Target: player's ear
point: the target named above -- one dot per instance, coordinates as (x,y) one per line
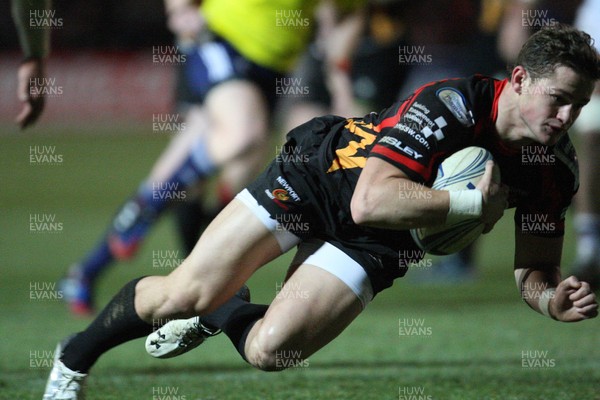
(517,78)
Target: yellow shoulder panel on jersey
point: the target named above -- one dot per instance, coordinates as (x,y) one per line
(347,157)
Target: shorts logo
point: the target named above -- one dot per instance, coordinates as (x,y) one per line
(455,102)
(281,194)
(278,196)
(285,194)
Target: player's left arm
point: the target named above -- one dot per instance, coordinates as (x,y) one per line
(339,38)
(385,197)
(35,43)
(537,274)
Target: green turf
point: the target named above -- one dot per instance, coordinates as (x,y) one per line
(471,346)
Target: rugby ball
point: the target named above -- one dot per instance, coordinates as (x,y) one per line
(461,171)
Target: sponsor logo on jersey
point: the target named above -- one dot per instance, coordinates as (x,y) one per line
(455,102)
(403,127)
(397,143)
(439,124)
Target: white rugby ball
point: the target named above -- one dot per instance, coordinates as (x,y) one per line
(461,171)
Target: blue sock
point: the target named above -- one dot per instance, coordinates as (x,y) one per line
(95,261)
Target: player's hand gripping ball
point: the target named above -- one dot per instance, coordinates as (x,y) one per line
(461,171)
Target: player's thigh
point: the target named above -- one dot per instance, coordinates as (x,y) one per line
(310,310)
(180,146)
(230,250)
(238,172)
(238,116)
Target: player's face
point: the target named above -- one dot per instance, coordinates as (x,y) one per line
(549,106)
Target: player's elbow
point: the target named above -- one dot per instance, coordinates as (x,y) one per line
(363,209)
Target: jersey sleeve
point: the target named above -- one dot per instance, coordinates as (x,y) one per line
(434,122)
(544,214)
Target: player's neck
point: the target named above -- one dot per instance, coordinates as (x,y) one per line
(509,125)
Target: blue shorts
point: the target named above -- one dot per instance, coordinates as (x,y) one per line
(215,61)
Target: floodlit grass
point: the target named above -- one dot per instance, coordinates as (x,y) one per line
(475,343)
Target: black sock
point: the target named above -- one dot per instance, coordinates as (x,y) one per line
(235,318)
(117,323)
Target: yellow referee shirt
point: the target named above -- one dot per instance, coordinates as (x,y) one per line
(271,33)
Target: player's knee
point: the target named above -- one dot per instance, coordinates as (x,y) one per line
(278,359)
(180,305)
(265,360)
(270,351)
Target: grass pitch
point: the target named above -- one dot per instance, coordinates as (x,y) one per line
(468,341)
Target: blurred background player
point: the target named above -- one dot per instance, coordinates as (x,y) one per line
(336,31)
(587,217)
(232,73)
(35,44)
(373,69)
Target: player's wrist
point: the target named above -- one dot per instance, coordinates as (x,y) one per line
(464,205)
(32,59)
(545,303)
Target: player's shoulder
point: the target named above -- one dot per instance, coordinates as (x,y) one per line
(473,85)
(475,90)
(459,96)
(466,99)
(565,148)
(566,157)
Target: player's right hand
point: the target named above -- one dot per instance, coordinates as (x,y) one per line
(573,301)
(495,197)
(30,91)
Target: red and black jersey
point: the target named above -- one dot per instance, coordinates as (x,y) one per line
(442,117)
(313,179)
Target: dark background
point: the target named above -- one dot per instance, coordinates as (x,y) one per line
(98,24)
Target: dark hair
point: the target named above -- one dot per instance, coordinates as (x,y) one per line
(556,45)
